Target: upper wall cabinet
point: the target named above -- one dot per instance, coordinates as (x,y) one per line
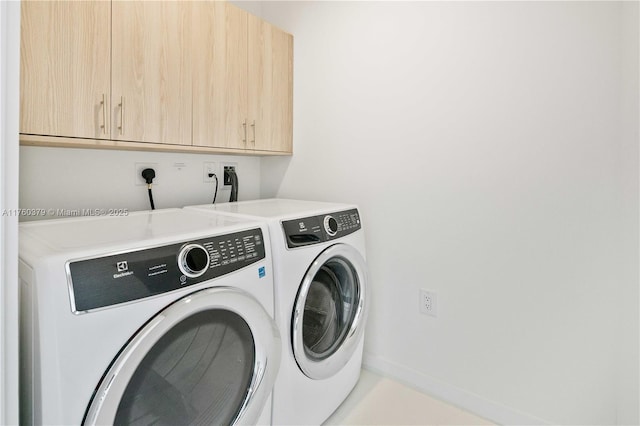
(65,61)
(270,87)
(188,76)
(151,71)
(219,46)
(243,80)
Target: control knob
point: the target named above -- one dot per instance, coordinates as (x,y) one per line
(330,225)
(193,260)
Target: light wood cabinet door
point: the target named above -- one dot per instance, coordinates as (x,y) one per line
(151,71)
(219,52)
(65,68)
(270,87)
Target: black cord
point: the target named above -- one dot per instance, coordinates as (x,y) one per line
(153,207)
(215,194)
(234,186)
(148,175)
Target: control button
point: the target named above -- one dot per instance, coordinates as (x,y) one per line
(193,260)
(330,225)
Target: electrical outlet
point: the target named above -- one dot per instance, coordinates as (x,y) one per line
(226,179)
(139,167)
(208,169)
(428,303)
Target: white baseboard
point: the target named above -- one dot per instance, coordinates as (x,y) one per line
(448,393)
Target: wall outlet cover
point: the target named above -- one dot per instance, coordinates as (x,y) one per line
(209,168)
(428,303)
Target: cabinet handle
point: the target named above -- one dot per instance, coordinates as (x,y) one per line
(104,115)
(244,128)
(121,105)
(253,126)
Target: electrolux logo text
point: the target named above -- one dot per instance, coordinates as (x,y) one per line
(123,269)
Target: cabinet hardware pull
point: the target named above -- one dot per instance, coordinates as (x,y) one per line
(104,115)
(121,105)
(244,127)
(253,126)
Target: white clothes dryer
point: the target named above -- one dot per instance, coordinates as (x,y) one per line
(321,299)
(162,317)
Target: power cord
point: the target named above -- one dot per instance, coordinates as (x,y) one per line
(215,194)
(148,175)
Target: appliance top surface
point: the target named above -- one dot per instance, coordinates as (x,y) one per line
(81,232)
(275,208)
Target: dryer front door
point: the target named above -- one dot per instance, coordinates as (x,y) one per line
(209,358)
(329,313)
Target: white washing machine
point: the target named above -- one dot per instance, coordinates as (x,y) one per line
(162,317)
(321,301)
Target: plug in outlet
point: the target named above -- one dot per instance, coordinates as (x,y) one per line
(428,303)
(226,179)
(139,167)
(209,169)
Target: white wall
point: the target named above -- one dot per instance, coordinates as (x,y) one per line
(253,7)
(628,167)
(9,106)
(62,178)
(483,143)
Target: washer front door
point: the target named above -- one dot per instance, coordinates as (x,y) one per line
(330,311)
(209,358)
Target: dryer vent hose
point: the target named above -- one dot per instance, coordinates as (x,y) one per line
(234,185)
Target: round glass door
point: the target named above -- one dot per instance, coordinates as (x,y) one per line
(329,314)
(199,372)
(209,358)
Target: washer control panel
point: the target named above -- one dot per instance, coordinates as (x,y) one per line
(113,279)
(318,229)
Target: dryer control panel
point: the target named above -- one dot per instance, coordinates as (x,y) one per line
(318,229)
(113,279)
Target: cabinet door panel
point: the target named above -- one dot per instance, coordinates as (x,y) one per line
(65,68)
(270,87)
(219,51)
(151,71)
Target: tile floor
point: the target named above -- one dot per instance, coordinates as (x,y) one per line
(378,400)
